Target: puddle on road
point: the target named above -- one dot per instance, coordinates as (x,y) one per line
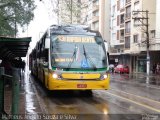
(31,102)
(74,103)
(149,80)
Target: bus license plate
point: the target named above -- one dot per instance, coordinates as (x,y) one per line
(81,85)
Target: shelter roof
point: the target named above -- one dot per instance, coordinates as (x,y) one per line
(13,47)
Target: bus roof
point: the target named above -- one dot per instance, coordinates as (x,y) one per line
(73,30)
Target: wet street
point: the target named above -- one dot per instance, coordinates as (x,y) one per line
(130,97)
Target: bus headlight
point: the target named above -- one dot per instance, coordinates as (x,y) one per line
(104,76)
(55,76)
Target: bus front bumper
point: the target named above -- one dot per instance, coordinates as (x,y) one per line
(78,85)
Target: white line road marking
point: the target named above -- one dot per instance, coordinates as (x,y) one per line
(137,103)
(142,84)
(137,96)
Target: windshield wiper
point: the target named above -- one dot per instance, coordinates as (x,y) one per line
(89,58)
(73,56)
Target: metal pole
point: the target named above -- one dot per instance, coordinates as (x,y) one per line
(148,55)
(15,21)
(15,28)
(58,11)
(71,9)
(1,90)
(15,91)
(147,39)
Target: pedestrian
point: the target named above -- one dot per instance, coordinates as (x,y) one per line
(7,66)
(0,62)
(154,68)
(7,70)
(157,68)
(23,65)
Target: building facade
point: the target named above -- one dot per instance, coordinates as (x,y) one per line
(96,15)
(128,34)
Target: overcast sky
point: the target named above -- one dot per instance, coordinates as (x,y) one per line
(40,23)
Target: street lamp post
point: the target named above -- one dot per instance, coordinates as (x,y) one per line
(148,55)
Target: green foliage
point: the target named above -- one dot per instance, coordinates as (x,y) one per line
(15,12)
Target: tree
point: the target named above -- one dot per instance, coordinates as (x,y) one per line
(71,11)
(15,13)
(67,11)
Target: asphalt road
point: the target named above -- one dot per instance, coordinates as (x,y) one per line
(131,97)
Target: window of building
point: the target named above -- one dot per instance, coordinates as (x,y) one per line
(113,10)
(128,12)
(121,18)
(143,35)
(113,36)
(128,27)
(96,25)
(117,34)
(113,23)
(122,4)
(117,20)
(153,33)
(135,38)
(121,34)
(118,5)
(136,5)
(127,1)
(137,22)
(96,2)
(127,42)
(96,13)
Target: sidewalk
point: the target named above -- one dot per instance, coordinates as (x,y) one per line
(28,102)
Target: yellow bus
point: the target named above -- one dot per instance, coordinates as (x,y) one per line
(71,57)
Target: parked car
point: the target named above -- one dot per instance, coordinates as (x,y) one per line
(121,69)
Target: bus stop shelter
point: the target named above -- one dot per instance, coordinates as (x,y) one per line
(13,47)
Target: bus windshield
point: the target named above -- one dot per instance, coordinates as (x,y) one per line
(86,52)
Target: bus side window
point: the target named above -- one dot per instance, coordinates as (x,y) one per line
(45,58)
(46,55)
